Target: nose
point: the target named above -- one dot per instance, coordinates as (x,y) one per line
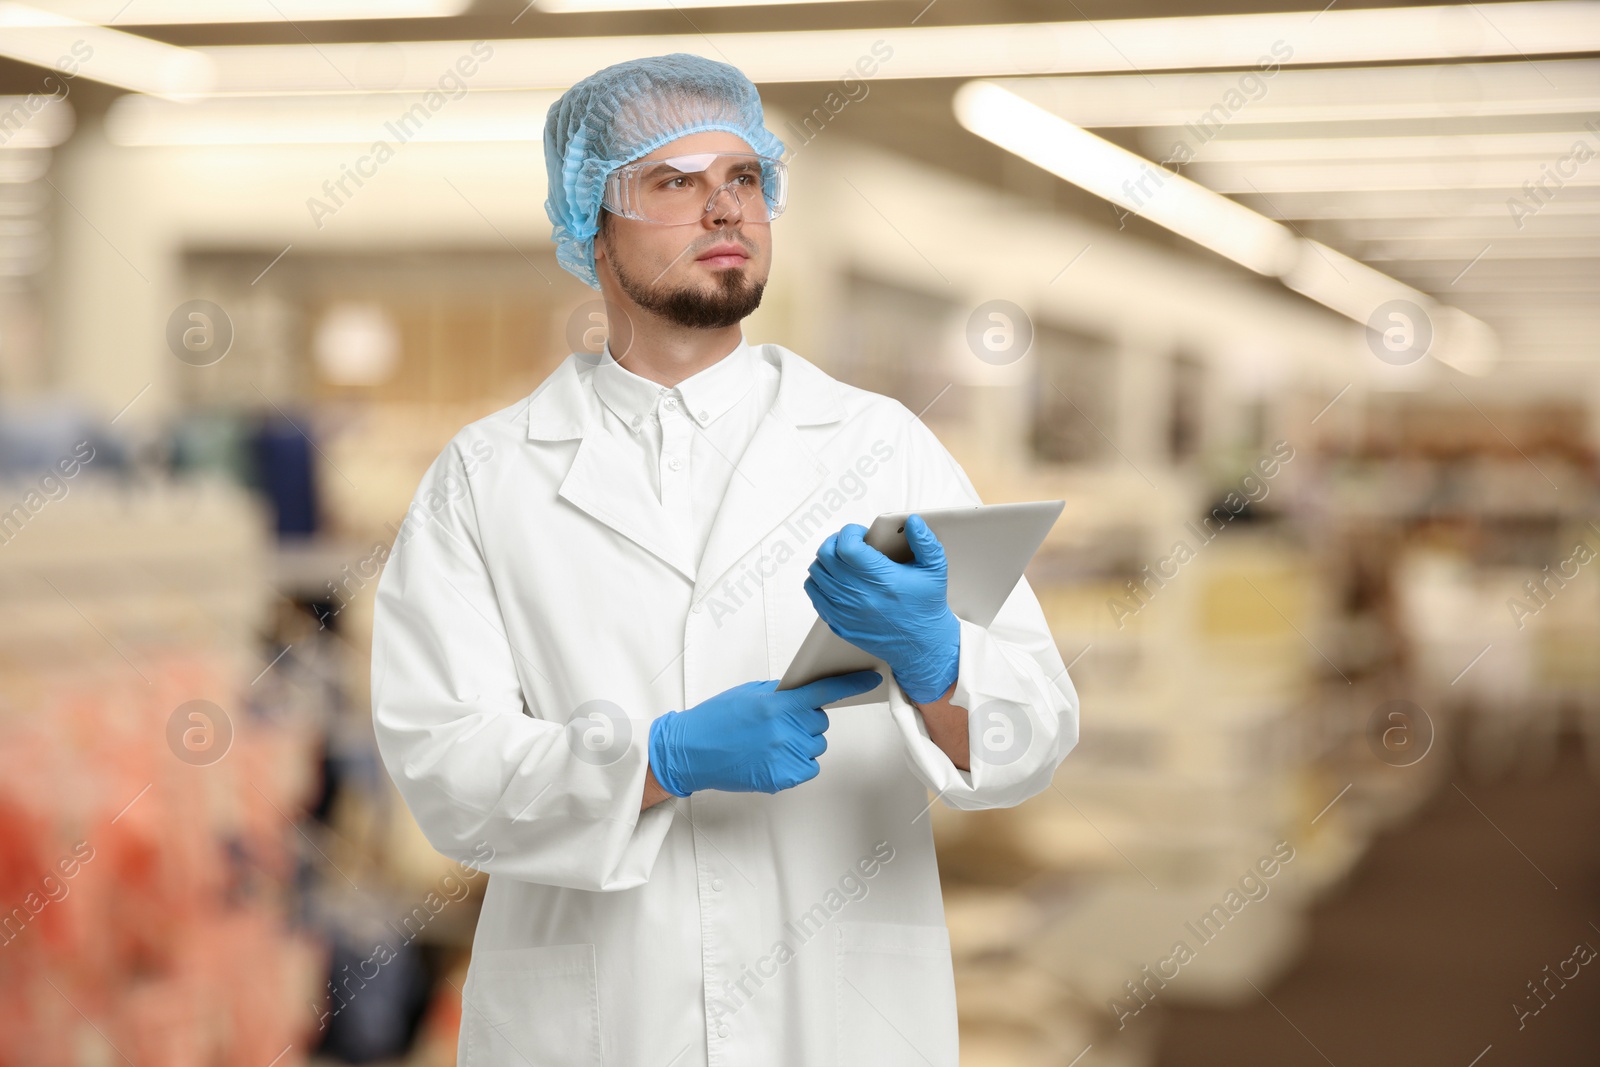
(724,204)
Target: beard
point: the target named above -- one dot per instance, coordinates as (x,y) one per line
(733,297)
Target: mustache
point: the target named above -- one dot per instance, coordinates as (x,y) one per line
(743,242)
(692,253)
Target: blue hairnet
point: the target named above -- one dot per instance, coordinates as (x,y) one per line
(625,112)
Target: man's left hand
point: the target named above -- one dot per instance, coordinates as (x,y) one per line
(895,611)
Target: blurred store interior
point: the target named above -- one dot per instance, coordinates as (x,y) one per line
(1296,310)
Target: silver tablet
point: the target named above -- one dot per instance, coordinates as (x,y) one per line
(987,547)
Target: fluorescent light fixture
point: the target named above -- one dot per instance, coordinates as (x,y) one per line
(1210,99)
(40,120)
(1368,296)
(1111,172)
(1499,226)
(563,7)
(1316,176)
(122,59)
(1537,147)
(1414,204)
(344,118)
(16,167)
(170,12)
(1496,275)
(1512,246)
(1399,34)
(1127,180)
(1472,290)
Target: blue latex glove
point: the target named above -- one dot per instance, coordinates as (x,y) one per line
(895,611)
(751,738)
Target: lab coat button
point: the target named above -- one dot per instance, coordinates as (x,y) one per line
(716,885)
(723,1031)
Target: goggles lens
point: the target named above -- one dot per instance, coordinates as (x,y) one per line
(682,189)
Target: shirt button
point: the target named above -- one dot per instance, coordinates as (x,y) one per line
(723,1031)
(697,607)
(675,463)
(669,403)
(716,885)
(637,419)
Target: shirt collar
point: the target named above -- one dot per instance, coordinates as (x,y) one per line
(706,394)
(564,405)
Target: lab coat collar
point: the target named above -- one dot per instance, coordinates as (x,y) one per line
(706,394)
(778,471)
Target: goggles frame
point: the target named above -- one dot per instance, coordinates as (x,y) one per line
(621,195)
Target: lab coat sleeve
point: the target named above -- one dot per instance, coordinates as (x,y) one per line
(491,786)
(1022,708)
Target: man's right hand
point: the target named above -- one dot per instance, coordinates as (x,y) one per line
(751,738)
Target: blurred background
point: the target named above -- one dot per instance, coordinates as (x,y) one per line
(1296,311)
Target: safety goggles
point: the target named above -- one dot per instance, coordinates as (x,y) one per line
(682,189)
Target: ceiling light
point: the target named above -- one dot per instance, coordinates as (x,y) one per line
(1227,227)
(113,57)
(1418,239)
(1316,176)
(166,12)
(1477,250)
(352,118)
(1498,226)
(36,121)
(1128,180)
(1455,148)
(1451,32)
(21,167)
(1413,204)
(1372,298)
(1253,96)
(575,6)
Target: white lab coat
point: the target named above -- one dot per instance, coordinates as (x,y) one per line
(537,613)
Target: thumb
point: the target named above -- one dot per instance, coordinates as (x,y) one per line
(837,687)
(924,545)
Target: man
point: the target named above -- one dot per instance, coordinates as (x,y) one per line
(578,635)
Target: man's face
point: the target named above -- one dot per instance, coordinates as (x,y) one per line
(707,274)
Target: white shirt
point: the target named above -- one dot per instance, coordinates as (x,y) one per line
(689,437)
